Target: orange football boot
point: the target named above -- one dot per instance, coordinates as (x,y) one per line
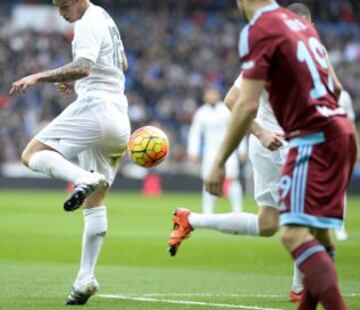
(182,230)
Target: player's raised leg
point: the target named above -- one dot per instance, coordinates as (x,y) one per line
(43,158)
(264,224)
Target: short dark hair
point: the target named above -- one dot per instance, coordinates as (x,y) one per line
(300,9)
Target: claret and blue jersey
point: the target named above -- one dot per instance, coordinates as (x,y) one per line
(284,49)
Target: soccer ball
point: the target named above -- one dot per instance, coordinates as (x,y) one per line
(148,146)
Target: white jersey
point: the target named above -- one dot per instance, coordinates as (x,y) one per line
(97,38)
(346,103)
(266,164)
(210,124)
(265,116)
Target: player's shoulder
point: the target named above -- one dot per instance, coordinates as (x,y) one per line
(264,25)
(200,112)
(273,24)
(94,12)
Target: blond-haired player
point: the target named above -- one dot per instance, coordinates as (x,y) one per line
(95,128)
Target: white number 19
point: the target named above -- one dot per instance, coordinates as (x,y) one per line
(304,55)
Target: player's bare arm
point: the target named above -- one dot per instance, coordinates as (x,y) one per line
(66,88)
(76,70)
(243,114)
(231,97)
(270,140)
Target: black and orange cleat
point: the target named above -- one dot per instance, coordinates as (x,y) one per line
(182,230)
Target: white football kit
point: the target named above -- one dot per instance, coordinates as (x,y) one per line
(210,123)
(95,127)
(266,164)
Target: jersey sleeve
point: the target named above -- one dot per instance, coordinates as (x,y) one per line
(256,48)
(194,138)
(87,41)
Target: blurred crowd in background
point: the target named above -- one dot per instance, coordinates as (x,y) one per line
(175,50)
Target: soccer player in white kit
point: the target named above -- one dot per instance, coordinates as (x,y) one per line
(95,128)
(209,126)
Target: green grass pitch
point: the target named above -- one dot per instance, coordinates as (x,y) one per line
(40,250)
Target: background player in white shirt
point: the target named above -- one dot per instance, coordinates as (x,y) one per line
(207,128)
(95,128)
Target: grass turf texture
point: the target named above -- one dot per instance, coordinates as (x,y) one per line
(40,250)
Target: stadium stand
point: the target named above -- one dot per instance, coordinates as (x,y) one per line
(174,51)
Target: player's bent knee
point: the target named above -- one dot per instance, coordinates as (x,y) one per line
(33,147)
(268,221)
(268,229)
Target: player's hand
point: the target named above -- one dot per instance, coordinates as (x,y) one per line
(215,180)
(271,140)
(65,88)
(23,84)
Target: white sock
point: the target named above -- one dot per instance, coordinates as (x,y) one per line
(236,195)
(342,228)
(208,202)
(232,223)
(95,227)
(298,277)
(56,166)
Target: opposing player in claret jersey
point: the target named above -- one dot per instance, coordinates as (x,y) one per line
(282,52)
(209,126)
(95,128)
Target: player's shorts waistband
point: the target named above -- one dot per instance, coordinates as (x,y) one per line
(120,101)
(313,139)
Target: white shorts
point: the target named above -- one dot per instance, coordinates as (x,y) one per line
(231,166)
(266,169)
(95,130)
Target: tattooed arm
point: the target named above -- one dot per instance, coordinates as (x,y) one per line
(76,70)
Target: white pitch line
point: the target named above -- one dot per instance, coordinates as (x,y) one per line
(209,295)
(220,295)
(351,294)
(183,302)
